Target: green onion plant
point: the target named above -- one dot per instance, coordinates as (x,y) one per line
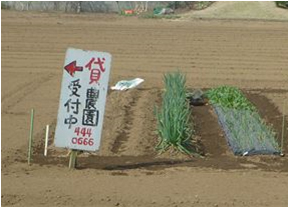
(174,125)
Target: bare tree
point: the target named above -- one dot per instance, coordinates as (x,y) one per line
(56,5)
(25,5)
(78,7)
(140,6)
(119,11)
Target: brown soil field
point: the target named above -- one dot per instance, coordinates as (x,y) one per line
(127,171)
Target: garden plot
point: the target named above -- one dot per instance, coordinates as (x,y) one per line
(250,54)
(133,146)
(246,133)
(245,130)
(174,125)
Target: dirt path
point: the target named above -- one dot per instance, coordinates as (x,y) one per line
(126,171)
(259,10)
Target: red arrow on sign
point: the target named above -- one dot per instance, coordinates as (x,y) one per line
(72,68)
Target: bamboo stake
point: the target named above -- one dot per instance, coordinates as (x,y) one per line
(46,140)
(30,136)
(283,123)
(72,159)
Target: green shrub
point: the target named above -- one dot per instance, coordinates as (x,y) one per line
(4,5)
(282,4)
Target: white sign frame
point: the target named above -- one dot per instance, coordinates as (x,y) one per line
(82,99)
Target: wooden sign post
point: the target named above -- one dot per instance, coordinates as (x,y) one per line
(72,159)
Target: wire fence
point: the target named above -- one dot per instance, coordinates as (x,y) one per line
(77,6)
(67,6)
(98,6)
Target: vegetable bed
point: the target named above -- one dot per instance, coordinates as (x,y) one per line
(174,125)
(245,131)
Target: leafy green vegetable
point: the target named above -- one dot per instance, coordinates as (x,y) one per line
(229,97)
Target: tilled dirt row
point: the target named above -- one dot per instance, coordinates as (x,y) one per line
(251,55)
(210,53)
(129,138)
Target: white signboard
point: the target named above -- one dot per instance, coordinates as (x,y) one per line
(82,99)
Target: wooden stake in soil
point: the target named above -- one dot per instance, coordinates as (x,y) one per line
(283,123)
(72,159)
(46,140)
(30,136)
